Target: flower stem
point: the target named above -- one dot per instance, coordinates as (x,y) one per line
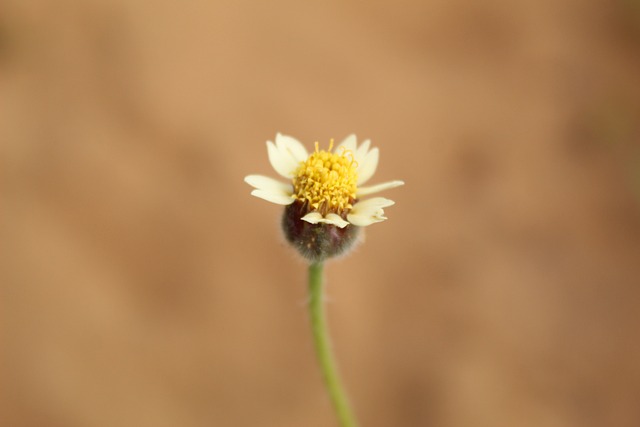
(323,348)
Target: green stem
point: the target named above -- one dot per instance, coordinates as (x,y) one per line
(323,348)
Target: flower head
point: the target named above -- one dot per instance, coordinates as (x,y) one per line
(323,192)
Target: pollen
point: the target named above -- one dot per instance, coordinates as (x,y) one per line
(327,181)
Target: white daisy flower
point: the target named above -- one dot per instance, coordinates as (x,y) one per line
(326,186)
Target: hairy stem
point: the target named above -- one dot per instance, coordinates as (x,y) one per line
(323,348)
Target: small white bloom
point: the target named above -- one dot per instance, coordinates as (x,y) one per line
(326,184)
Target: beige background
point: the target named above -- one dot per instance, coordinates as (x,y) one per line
(141,285)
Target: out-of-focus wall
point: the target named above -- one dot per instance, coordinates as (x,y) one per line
(141,285)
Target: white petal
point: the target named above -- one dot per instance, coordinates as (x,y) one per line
(336,220)
(362,150)
(363,221)
(377,188)
(349,144)
(269,184)
(277,198)
(312,217)
(373,203)
(282,161)
(292,146)
(369,211)
(367,168)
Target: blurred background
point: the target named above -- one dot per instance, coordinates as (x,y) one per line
(141,285)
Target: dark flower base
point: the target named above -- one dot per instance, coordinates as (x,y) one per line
(316,242)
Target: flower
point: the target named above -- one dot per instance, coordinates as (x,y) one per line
(329,183)
(324,188)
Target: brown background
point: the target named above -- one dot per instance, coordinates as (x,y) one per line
(141,285)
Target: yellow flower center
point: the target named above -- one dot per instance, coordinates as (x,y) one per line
(327,181)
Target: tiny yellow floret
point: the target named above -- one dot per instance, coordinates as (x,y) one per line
(327,181)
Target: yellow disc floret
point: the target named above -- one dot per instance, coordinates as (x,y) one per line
(327,181)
